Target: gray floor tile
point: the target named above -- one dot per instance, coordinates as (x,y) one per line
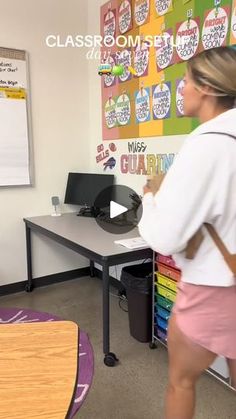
(135,388)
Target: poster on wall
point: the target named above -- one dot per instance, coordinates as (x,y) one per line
(141,12)
(15,132)
(161,100)
(123,110)
(125,16)
(163,7)
(165,51)
(183,29)
(109,25)
(141,59)
(103,156)
(233,24)
(125,58)
(110,113)
(215,27)
(187,39)
(179,98)
(142,105)
(110,80)
(141,158)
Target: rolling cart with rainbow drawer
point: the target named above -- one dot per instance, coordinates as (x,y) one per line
(166,277)
(164,294)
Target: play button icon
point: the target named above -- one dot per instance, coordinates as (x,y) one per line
(120,209)
(116,209)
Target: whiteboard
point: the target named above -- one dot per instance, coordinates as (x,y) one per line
(14,119)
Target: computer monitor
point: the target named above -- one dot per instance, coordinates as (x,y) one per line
(84,189)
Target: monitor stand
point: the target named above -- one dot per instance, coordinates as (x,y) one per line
(89,212)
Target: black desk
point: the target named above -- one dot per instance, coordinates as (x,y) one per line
(85,237)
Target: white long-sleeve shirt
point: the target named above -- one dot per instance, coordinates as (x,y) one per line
(199,187)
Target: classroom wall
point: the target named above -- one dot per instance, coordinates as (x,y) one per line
(66,127)
(59,86)
(155,145)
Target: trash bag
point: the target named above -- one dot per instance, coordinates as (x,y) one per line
(138,283)
(138,277)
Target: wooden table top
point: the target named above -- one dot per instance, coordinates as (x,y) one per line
(38,369)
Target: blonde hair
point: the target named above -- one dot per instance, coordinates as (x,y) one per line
(216,68)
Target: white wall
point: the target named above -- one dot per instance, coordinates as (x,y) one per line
(59,85)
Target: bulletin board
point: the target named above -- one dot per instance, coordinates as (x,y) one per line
(151,103)
(15,166)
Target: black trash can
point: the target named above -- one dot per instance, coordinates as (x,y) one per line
(137,280)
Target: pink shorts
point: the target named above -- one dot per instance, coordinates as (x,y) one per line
(207,315)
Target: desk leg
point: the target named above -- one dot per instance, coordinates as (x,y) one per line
(29,286)
(110,359)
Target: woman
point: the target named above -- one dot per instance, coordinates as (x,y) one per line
(200,187)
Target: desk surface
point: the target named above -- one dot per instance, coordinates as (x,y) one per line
(38,364)
(85,232)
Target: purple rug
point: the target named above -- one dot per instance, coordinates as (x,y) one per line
(17,315)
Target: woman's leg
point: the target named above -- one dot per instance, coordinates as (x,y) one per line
(187,361)
(232,370)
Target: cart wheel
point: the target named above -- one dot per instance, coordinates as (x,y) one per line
(152,345)
(110,359)
(29,288)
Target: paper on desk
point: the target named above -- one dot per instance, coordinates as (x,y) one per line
(134,243)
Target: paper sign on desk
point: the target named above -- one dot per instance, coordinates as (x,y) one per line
(134,243)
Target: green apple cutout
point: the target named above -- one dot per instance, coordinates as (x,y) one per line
(118,70)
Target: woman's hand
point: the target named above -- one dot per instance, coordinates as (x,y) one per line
(146,189)
(153,184)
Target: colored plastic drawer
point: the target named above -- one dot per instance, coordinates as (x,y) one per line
(167,282)
(161,334)
(166,260)
(164,292)
(163,302)
(170,272)
(164,314)
(163,324)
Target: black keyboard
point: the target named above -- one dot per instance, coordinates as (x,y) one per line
(105,218)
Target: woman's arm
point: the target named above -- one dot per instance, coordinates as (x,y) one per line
(186,199)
